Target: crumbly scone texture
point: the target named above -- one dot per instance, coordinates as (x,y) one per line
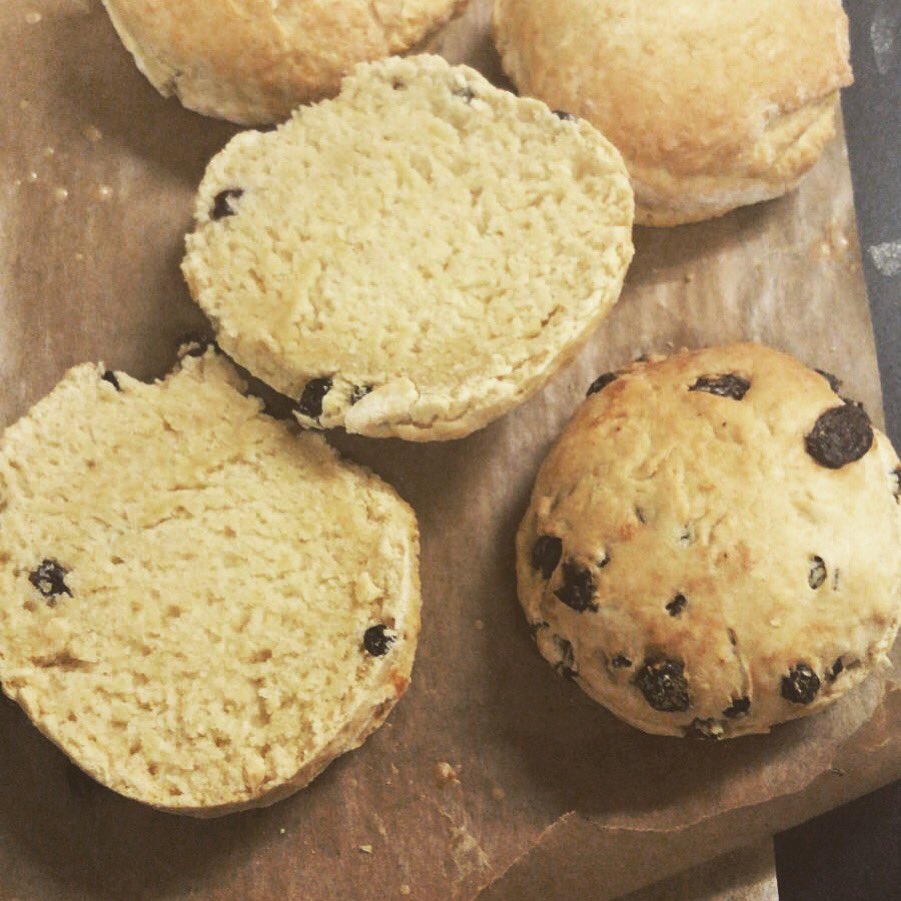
(713,105)
(254,61)
(415,257)
(712,547)
(199,607)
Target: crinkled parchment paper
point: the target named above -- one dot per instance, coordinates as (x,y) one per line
(490,758)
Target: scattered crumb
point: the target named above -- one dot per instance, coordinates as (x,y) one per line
(48,152)
(775,623)
(79,257)
(689,277)
(405,889)
(837,771)
(104,192)
(24,104)
(395,770)
(498,793)
(33,17)
(887,257)
(281,831)
(92,133)
(479,624)
(366,849)
(60,194)
(32,176)
(445,773)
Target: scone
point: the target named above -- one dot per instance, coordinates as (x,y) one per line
(712,546)
(199,607)
(253,61)
(415,257)
(713,105)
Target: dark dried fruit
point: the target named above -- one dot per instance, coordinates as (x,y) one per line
(662,682)
(398,85)
(313,394)
(358,392)
(377,641)
(676,605)
(110,376)
(835,383)
(50,580)
(566,665)
(896,491)
(738,708)
(834,670)
(578,588)
(705,730)
(816,575)
(546,554)
(465,92)
(223,203)
(801,684)
(840,436)
(601,382)
(620,662)
(564,115)
(729,385)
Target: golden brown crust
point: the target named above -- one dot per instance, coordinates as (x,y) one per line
(714,539)
(713,106)
(252,61)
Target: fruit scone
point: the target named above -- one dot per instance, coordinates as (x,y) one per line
(200,607)
(253,61)
(712,546)
(714,104)
(415,257)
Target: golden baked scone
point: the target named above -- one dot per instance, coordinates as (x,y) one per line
(713,104)
(712,546)
(201,608)
(253,61)
(415,257)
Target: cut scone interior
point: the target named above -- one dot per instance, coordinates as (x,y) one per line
(200,607)
(415,257)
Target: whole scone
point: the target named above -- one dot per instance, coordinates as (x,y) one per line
(712,546)
(415,257)
(199,607)
(253,61)
(713,105)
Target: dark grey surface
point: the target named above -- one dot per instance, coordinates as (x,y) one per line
(872,111)
(854,852)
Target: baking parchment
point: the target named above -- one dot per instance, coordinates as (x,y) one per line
(490,760)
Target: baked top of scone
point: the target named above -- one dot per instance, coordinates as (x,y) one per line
(201,608)
(415,257)
(712,546)
(254,61)
(712,104)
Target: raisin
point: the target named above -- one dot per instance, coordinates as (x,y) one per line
(358,392)
(738,708)
(566,665)
(564,115)
(578,588)
(840,436)
(896,491)
(816,575)
(834,670)
(465,92)
(222,203)
(377,641)
(676,605)
(398,85)
(705,730)
(110,376)
(601,382)
(662,682)
(835,383)
(313,394)
(546,554)
(801,684)
(620,662)
(50,580)
(729,385)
